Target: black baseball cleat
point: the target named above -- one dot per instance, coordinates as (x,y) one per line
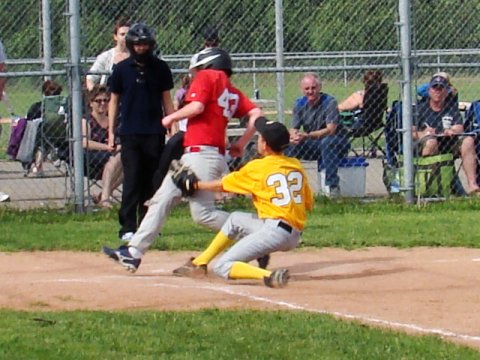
(123,257)
(278,279)
(263,261)
(190,269)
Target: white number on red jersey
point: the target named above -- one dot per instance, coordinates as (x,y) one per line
(287,187)
(229,103)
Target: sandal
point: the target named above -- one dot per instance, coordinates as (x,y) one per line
(106,204)
(475,192)
(96,198)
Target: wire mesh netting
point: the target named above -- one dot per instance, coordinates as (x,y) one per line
(343,43)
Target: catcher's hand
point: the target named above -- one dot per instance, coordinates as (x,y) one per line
(184,178)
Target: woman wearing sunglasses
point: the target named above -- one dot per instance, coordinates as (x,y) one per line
(101,163)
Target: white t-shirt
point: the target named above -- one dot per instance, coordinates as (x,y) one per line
(103,62)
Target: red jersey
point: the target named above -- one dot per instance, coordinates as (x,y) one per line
(222,101)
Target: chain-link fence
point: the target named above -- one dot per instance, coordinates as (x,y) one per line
(272,45)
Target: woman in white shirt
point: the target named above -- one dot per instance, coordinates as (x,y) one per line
(107,59)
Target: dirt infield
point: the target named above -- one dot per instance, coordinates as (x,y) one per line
(421,290)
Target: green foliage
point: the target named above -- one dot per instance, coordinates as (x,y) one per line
(245,26)
(209,334)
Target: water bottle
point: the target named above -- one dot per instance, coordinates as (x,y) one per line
(395,184)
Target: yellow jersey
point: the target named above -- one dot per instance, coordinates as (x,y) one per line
(279,188)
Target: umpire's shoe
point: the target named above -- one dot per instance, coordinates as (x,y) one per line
(277,279)
(123,257)
(191,270)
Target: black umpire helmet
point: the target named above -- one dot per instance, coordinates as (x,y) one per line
(139,33)
(212,58)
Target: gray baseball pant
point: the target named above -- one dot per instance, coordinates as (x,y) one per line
(254,238)
(208,164)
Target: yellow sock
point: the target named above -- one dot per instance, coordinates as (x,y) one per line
(241,270)
(219,243)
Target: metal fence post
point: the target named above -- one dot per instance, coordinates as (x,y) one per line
(279,56)
(47,37)
(406,47)
(76,93)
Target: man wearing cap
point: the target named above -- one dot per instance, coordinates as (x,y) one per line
(280,193)
(437,126)
(422,90)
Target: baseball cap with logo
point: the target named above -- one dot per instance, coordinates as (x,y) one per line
(438,80)
(276,135)
(444,75)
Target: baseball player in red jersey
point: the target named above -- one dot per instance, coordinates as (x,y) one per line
(211,102)
(282,197)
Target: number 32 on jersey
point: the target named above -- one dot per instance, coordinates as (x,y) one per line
(288,187)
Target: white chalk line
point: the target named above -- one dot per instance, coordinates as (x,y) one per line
(349,316)
(230,291)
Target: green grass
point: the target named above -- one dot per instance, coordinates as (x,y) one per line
(220,334)
(209,334)
(349,224)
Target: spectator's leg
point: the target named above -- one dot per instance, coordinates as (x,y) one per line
(293,151)
(333,150)
(477,153)
(112,176)
(307,150)
(429,146)
(469,159)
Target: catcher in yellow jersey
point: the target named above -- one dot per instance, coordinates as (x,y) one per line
(280,193)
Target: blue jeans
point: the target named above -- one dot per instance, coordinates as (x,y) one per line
(328,151)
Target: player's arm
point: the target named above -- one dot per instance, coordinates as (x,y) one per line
(214,185)
(192,109)
(328,130)
(167,102)
(112,119)
(237,148)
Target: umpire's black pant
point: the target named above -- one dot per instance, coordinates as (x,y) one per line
(173,150)
(140,155)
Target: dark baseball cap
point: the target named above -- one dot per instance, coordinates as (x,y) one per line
(211,34)
(276,135)
(438,80)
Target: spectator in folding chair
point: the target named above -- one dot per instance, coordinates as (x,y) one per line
(363,111)
(35,168)
(355,100)
(49,88)
(322,139)
(438,129)
(102,162)
(107,59)
(422,90)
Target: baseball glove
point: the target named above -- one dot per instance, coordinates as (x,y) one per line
(184,178)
